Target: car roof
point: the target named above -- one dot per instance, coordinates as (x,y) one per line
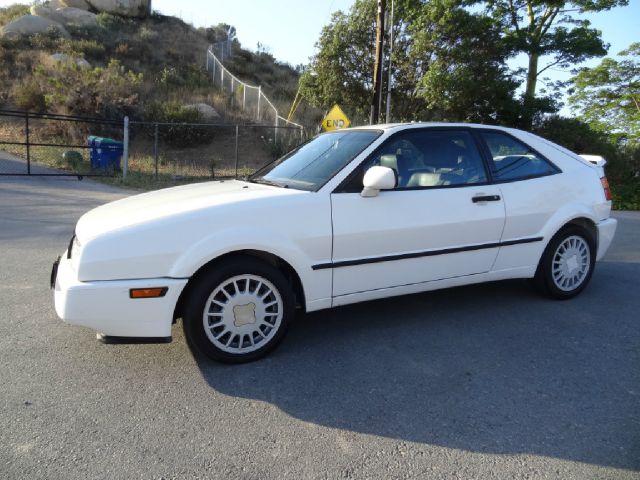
(407,125)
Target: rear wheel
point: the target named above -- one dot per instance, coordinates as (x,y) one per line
(239,311)
(567,263)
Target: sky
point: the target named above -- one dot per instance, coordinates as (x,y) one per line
(290,28)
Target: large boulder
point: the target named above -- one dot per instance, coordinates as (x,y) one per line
(81,4)
(66,15)
(207,111)
(31,25)
(124,8)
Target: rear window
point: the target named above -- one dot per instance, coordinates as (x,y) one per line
(513,159)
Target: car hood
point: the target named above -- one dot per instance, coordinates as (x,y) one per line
(170,202)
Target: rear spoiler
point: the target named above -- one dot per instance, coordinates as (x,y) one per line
(597,160)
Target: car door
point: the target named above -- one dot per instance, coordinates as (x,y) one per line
(443,219)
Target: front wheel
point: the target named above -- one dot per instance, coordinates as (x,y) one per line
(239,311)
(567,263)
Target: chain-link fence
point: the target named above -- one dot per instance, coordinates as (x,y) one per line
(203,150)
(245,98)
(155,153)
(51,144)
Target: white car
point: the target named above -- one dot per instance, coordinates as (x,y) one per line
(350,216)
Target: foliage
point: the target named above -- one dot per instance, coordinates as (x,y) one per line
(29,97)
(109,91)
(10,13)
(623,161)
(178,135)
(464,74)
(341,71)
(608,95)
(448,64)
(114,23)
(548,28)
(89,49)
(189,76)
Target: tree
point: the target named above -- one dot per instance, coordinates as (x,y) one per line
(608,95)
(448,63)
(541,28)
(463,71)
(342,70)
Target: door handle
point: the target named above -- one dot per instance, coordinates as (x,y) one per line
(486,198)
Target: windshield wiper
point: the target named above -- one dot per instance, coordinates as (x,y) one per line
(264,181)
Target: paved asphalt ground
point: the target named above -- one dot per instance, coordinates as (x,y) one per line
(489,381)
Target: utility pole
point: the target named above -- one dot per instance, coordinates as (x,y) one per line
(377,67)
(387,117)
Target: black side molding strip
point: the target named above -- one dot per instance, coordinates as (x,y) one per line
(428,253)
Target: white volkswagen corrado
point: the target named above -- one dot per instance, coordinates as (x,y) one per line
(350,216)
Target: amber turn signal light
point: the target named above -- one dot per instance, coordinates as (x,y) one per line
(154,292)
(605,187)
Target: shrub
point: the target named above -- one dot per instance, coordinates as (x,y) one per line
(148,35)
(181,134)
(192,76)
(10,13)
(29,97)
(114,23)
(110,91)
(89,49)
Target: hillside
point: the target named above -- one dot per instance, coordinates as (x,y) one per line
(142,67)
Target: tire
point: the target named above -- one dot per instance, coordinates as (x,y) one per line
(238,311)
(567,264)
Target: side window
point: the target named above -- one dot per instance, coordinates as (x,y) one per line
(427,158)
(514,160)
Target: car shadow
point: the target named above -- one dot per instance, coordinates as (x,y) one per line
(492,368)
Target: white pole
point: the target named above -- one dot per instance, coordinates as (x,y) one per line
(259,95)
(125,148)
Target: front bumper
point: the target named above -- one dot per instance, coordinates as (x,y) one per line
(606,231)
(105,306)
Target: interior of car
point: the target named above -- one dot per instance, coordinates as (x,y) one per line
(429,159)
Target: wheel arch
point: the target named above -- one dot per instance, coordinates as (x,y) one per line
(582,221)
(274,260)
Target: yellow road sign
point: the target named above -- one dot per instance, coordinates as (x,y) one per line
(335,120)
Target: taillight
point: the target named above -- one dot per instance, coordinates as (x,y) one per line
(605,187)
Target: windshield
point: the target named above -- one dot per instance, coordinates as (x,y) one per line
(312,164)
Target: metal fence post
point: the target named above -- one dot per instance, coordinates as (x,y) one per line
(213,71)
(244,96)
(237,132)
(155,147)
(259,95)
(125,150)
(275,131)
(26,134)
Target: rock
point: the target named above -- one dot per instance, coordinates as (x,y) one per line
(77,16)
(32,25)
(207,111)
(66,15)
(63,57)
(81,4)
(124,8)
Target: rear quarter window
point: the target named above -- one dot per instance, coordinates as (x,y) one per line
(513,159)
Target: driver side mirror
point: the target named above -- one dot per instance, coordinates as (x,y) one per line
(378,178)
